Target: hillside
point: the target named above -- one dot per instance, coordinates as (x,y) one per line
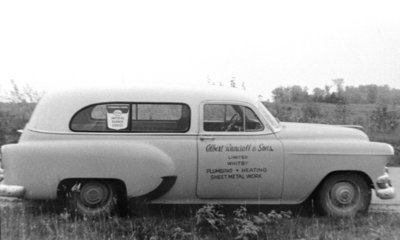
(380,122)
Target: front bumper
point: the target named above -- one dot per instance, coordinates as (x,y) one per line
(11,190)
(384,189)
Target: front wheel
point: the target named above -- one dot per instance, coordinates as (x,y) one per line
(93,198)
(344,195)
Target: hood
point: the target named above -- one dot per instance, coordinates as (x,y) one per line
(310,131)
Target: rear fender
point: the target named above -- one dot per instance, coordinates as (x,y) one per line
(41,166)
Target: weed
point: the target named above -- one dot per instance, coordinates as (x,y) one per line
(19,222)
(245,228)
(210,220)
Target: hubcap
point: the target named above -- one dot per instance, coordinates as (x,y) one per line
(343,193)
(93,194)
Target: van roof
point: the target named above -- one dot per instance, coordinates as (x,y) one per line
(56,108)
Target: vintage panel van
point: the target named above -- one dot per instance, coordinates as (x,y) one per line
(100,147)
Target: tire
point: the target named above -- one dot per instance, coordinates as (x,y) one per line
(93,198)
(343,195)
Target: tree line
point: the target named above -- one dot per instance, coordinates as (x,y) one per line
(16,107)
(337,93)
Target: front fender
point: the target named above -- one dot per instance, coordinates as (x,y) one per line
(40,166)
(307,163)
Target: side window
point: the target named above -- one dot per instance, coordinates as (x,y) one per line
(102,118)
(160,118)
(225,117)
(135,117)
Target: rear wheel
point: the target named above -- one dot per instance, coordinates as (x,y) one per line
(93,198)
(344,195)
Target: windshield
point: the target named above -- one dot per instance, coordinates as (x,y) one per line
(273,122)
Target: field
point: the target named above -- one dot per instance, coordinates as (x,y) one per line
(22,220)
(380,122)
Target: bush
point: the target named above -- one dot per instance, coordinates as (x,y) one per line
(210,220)
(311,112)
(13,117)
(243,226)
(383,120)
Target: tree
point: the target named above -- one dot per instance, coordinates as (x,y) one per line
(24,95)
(354,95)
(396,96)
(298,94)
(363,94)
(333,98)
(318,95)
(372,94)
(327,93)
(384,95)
(281,94)
(339,88)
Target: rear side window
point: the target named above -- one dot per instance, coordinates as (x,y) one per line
(132,117)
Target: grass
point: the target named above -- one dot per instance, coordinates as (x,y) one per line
(32,221)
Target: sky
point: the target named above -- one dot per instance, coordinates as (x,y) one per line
(265,44)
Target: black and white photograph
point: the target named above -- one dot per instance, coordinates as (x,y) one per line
(199,120)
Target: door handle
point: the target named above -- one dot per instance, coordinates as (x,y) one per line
(207,138)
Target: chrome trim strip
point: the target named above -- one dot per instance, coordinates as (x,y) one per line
(111,133)
(338,154)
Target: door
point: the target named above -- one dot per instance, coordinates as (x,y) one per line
(238,156)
